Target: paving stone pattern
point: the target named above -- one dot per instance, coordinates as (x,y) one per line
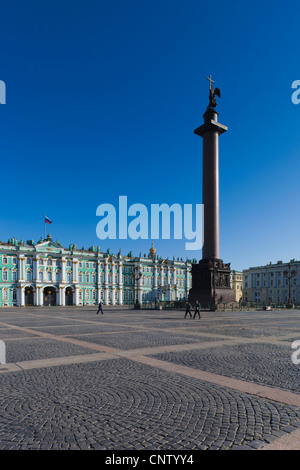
(122,399)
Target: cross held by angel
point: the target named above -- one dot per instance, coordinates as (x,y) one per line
(213,92)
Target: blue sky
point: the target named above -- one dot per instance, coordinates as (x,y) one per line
(103,99)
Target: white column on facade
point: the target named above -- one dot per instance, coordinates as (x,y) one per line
(21,276)
(113,286)
(168,292)
(168,275)
(105,273)
(99,281)
(22,296)
(120,283)
(75,270)
(38,295)
(105,282)
(155,277)
(62,296)
(174,275)
(139,284)
(35,269)
(113,295)
(186,282)
(105,295)
(168,284)
(63,270)
(161,275)
(76,295)
(98,272)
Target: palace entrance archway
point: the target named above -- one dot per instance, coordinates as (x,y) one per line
(69,296)
(49,296)
(29,295)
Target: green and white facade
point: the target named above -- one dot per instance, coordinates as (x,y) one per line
(46,273)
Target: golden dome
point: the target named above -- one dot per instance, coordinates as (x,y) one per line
(152,250)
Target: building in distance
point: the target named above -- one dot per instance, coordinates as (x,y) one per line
(273,283)
(236,282)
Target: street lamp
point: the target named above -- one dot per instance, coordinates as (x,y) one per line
(289,274)
(137,276)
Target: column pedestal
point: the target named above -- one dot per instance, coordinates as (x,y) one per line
(211,283)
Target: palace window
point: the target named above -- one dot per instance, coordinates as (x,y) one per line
(94,295)
(87,264)
(5,294)
(49,275)
(68,276)
(68,263)
(49,262)
(57,277)
(28,260)
(41,262)
(94,278)
(14,295)
(28,275)
(87,295)
(87,277)
(80,277)
(41,276)
(14,260)
(80,295)
(4,259)
(4,275)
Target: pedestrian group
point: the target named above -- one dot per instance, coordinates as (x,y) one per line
(188,310)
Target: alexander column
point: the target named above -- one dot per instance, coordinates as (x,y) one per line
(211,277)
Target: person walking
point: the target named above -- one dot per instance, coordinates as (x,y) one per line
(197,309)
(187,309)
(100,308)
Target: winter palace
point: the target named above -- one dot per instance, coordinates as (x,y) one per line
(46,273)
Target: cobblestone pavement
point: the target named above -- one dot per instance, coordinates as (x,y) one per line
(148,380)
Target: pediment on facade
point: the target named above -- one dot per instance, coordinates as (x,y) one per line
(46,245)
